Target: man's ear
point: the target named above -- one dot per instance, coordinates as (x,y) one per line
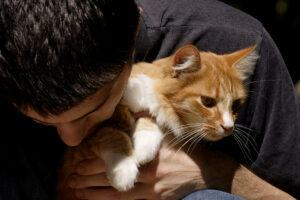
(244,60)
(186,60)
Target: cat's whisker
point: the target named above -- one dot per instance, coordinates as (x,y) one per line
(182,128)
(191,143)
(202,135)
(245,153)
(177,140)
(190,135)
(242,126)
(259,81)
(249,136)
(188,139)
(248,139)
(185,127)
(246,130)
(254,144)
(184,137)
(186,142)
(241,147)
(247,133)
(196,141)
(245,145)
(207,126)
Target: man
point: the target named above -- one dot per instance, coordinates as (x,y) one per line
(66,63)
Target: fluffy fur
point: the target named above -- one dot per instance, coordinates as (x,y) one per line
(191,94)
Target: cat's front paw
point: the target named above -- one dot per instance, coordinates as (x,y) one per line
(146,145)
(123,174)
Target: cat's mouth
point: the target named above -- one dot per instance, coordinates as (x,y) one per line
(213,137)
(218,134)
(210,132)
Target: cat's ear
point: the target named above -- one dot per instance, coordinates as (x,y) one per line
(244,60)
(186,60)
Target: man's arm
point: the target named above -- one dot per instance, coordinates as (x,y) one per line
(174,174)
(221,172)
(248,185)
(272,112)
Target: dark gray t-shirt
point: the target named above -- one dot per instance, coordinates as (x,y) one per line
(272,111)
(30,153)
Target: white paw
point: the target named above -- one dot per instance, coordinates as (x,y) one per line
(146,145)
(123,174)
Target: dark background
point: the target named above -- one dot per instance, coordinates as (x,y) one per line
(281,18)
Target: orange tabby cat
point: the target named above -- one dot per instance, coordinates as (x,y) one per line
(189,93)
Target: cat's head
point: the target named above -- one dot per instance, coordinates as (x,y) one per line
(207,89)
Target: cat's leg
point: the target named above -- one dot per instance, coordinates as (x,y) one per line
(147,139)
(115,148)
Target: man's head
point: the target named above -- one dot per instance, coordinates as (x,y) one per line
(55,54)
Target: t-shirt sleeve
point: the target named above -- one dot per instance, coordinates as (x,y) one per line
(273,115)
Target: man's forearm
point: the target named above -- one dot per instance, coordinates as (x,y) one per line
(221,172)
(246,184)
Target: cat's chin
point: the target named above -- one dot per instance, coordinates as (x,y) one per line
(214,137)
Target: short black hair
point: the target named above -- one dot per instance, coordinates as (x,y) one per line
(55,53)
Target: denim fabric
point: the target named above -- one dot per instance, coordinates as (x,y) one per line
(211,194)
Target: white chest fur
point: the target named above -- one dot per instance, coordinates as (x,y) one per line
(141,95)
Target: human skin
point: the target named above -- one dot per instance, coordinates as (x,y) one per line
(171,175)
(78,122)
(174,174)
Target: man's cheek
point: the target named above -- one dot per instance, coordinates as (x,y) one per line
(95,119)
(94,122)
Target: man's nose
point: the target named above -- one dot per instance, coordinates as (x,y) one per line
(71,133)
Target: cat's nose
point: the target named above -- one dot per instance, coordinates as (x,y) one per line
(227,129)
(227,123)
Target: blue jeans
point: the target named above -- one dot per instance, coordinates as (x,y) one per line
(209,194)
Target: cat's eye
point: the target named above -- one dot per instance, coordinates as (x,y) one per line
(236,105)
(208,101)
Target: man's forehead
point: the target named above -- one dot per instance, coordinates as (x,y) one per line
(86,106)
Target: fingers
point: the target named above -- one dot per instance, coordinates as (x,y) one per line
(85,181)
(98,194)
(140,191)
(148,172)
(90,167)
(91,182)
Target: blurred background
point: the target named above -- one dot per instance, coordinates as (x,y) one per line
(282,20)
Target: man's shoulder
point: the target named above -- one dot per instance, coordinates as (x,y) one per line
(170,13)
(210,25)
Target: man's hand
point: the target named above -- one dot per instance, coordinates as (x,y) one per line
(175,174)
(171,176)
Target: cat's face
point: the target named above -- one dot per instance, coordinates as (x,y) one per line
(210,90)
